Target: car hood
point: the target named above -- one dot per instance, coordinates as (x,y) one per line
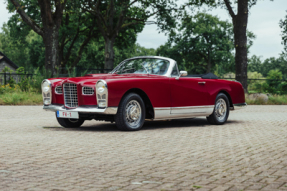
(91,79)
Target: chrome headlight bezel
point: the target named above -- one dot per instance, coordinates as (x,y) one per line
(46,87)
(101,88)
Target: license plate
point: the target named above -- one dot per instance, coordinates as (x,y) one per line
(68,114)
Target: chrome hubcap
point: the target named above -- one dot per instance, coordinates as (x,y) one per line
(220,109)
(133,113)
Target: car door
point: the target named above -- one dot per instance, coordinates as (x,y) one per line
(188,95)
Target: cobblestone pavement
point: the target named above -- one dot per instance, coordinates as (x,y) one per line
(247,153)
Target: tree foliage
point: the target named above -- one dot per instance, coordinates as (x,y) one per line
(283,26)
(238,11)
(45,18)
(116,17)
(257,65)
(202,42)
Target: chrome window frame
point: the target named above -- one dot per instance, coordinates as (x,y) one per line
(176,69)
(172,63)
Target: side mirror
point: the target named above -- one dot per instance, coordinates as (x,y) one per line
(181,73)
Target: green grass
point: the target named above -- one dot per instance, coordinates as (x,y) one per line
(32,98)
(21,98)
(272,100)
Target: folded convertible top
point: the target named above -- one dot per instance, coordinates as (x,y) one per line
(203,76)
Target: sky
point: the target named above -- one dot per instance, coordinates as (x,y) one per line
(263,21)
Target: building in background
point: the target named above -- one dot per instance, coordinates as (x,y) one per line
(5,61)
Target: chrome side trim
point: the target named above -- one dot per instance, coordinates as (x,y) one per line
(161,113)
(238,106)
(108,110)
(192,108)
(182,112)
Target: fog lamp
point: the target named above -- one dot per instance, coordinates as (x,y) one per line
(102,103)
(47,102)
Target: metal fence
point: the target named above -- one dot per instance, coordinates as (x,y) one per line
(5,78)
(254,80)
(79,71)
(265,85)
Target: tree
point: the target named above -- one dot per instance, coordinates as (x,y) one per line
(113,17)
(203,41)
(65,41)
(275,64)
(255,64)
(28,50)
(283,25)
(51,14)
(239,17)
(239,21)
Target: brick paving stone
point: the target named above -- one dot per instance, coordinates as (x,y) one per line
(247,153)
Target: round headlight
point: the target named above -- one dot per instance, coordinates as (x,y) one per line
(46,87)
(100,87)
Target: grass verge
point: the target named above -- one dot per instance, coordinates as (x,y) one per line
(21,98)
(272,100)
(32,98)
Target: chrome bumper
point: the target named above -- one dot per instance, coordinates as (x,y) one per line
(108,110)
(238,106)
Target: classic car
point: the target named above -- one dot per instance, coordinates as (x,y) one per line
(139,89)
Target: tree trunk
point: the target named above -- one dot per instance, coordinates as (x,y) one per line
(240,42)
(109,53)
(51,41)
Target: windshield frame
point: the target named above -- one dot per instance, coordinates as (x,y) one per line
(172,63)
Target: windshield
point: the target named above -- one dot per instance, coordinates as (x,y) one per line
(143,66)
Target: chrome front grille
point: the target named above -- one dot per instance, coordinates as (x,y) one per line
(70,95)
(88,91)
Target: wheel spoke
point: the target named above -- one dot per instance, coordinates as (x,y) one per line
(220,109)
(133,113)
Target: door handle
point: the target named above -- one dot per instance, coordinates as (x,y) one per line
(201,82)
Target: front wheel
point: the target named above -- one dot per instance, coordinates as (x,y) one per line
(131,113)
(221,110)
(70,123)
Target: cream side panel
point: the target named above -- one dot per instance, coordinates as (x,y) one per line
(182,112)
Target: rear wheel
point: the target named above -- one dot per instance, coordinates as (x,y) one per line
(221,110)
(70,123)
(131,113)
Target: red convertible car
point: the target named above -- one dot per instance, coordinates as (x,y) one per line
(138,89)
